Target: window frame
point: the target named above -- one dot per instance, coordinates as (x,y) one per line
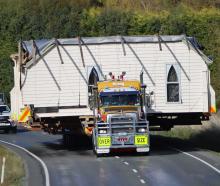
(177,69)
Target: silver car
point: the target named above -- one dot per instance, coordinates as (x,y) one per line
(6,123)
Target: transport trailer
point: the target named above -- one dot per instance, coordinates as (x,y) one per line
(53,79)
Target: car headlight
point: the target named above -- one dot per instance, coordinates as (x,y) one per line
(102,131)
(142,130)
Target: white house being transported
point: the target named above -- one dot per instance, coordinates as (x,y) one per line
(53,76)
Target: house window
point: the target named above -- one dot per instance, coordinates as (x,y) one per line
(173,89)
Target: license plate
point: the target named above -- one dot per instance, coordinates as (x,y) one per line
(122,139)
(141,140)
(104,141)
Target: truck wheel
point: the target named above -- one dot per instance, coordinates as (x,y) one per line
(99,155)
(69,140)
(65,139)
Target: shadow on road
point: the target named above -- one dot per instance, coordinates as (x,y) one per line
(207,138)
(78,143)
(160,145)
(82,144)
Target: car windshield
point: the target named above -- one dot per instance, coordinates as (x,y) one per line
(4,109)
(116,100)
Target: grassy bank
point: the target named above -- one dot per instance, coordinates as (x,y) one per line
(14,168)
(204,136)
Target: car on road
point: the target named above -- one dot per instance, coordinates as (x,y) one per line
(6,124)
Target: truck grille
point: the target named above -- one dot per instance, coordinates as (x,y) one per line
(4,118)
(121,124)
(121,119)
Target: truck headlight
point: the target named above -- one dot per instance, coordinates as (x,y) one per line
(142,130)
(102,131)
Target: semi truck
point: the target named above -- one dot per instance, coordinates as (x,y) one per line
(120,116)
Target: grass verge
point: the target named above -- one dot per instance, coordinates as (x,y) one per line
(204,136)
(14,168)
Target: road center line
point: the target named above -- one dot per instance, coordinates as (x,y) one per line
(126,163)
(202,161)
(46,172)
(134,170)
(142,181)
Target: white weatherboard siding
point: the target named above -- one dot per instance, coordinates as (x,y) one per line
(41,89)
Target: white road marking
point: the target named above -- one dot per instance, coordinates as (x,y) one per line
(202,161)
(3,171)
(126,163)
(134,170)
(142,181)
(117,157)
(46,172)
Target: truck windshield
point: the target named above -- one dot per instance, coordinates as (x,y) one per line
(4,109)
(116,100)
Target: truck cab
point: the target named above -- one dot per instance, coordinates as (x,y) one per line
(121,119)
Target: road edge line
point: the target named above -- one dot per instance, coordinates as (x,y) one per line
(46,172)
(3,170)
(197,158)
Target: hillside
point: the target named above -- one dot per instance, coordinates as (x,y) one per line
(69,18)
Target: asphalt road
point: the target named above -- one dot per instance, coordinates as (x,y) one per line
(79,166)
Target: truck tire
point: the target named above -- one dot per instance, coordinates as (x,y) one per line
(69,140)
(66,139)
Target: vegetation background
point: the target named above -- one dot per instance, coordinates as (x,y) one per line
(36,19)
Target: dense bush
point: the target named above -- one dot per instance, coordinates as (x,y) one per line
(25,19)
